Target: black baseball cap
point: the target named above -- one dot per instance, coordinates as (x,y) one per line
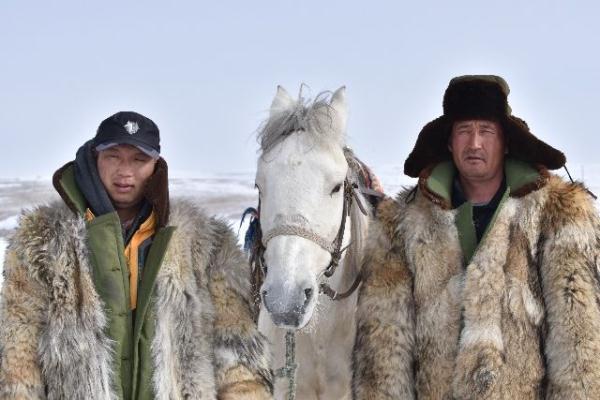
(128,127)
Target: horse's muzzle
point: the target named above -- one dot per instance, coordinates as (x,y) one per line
(287,308)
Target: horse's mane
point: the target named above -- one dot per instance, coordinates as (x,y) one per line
(312,117)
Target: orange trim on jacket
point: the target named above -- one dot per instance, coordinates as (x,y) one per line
(145,231)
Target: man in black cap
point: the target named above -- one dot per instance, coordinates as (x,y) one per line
(113,293)
(482,280)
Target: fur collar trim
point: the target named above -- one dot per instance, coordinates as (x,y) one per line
(435,182)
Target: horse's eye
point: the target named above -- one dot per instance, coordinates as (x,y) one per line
(336,188)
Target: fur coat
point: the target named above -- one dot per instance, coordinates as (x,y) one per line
(52,343)
(520,321)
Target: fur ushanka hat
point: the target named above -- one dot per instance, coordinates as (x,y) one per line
(479,97)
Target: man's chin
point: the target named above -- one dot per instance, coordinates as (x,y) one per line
(474,173)
(124,202)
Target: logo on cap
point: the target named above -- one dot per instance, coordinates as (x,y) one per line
(131,127)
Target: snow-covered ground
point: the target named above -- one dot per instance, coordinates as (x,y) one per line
(9,223)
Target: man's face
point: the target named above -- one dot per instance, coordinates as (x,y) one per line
(478,149)
(124,171)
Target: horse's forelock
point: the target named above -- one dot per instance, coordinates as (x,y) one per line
(313,117)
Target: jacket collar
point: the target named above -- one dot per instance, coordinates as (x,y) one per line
(64,183)
(436,181)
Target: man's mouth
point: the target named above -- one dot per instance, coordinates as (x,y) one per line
(123,187)
(474,159)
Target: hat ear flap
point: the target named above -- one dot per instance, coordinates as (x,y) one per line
(432,147)
(524,146)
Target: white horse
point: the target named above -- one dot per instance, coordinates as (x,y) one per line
(308,183)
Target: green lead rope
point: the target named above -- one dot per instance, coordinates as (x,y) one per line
(289,370)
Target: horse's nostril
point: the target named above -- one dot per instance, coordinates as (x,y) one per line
(308,294)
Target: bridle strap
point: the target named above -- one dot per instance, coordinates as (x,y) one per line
(335,295)
(336,254)
(257,273)
(349,195)
(296,230)
(335,249)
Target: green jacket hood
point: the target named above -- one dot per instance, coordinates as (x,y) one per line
(156,190)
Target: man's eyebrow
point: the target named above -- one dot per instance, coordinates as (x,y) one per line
(461,125)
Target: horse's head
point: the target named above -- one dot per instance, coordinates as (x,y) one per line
(301,177)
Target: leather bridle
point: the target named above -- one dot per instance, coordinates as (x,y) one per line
(334,248)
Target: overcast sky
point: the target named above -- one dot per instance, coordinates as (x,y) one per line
(206,72)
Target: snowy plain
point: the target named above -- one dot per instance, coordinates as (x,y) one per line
(224,195)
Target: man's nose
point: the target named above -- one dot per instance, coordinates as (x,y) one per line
(475,140)
(125,169)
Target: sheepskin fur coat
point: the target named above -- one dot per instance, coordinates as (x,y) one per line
(519,320)
(53,343)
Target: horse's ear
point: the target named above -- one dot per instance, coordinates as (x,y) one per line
(281,102)
(338,104)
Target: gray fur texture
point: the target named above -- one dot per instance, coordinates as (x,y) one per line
(520,321)
(52,343)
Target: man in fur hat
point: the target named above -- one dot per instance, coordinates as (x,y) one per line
(113,294)
(482,281)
